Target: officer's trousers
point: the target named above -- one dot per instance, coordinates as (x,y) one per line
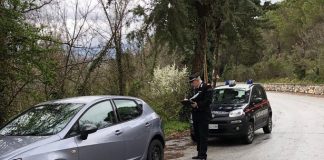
(200,124)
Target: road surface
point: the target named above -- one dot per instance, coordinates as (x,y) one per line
(298,134)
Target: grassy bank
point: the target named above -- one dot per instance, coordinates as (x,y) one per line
(173,127)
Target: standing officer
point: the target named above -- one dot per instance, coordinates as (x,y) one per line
(201,114)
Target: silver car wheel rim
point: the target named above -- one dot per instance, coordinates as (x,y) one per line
(156,153)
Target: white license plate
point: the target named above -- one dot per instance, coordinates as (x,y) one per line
(213,126)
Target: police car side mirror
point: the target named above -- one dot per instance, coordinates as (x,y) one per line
(257,100)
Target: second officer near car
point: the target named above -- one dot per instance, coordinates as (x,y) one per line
(201,114)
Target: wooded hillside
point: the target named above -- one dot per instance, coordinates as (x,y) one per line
(54,49)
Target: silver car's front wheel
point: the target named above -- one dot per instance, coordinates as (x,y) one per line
(155,151)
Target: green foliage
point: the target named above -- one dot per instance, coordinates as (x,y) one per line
(239,24)
(240,73)
(170,19)
(233,28)
(24,55)
(289,49)
(273,68)
(295,41)
(175,126)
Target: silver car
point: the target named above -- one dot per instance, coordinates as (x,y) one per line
(85,128)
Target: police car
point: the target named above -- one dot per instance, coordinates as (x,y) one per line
(238,110)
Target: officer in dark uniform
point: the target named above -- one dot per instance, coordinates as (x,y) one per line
(201,113)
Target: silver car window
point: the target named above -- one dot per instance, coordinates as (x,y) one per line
(101,114)
(44,120)
(127,109)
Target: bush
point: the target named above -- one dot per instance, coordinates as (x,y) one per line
(274,67)
(167,88)
(267,69)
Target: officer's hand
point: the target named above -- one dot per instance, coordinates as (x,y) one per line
(194,105)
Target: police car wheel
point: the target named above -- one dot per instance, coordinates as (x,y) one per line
(249,137)
(268,128)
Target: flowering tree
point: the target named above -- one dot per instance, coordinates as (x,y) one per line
(169,80)
(167,88)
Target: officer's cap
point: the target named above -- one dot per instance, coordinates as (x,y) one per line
(194,77)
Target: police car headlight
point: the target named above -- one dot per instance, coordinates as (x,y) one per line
(236,113)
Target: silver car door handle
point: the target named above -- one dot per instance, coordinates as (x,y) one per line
(147,124)
(118,132)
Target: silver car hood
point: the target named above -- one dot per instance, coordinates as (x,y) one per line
(13,145)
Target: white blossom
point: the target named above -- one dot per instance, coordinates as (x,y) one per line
(168,79)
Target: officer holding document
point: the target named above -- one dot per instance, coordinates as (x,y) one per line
(201,113)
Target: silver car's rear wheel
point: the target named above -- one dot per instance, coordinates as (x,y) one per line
(155,151)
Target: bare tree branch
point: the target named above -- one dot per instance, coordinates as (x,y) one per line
(37,7)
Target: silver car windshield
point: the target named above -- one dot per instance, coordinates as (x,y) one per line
(42,120)
(230,96)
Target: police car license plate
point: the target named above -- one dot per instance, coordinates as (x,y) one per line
(213,126)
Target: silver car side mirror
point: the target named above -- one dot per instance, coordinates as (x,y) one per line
(87,129)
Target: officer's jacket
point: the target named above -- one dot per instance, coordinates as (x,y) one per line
(203,97)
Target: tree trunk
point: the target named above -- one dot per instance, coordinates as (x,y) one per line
(3,75)
(201,44)
(119,63)
(216,60)
(2,101)
(155,52)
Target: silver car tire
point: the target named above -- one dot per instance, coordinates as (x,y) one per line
(155,150)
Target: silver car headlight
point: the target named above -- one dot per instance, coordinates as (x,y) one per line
(236,113)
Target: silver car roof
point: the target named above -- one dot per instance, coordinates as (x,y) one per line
(86,99)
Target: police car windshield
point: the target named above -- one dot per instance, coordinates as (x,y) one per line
(230,96)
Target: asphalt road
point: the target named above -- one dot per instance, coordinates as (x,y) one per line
(298,134)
